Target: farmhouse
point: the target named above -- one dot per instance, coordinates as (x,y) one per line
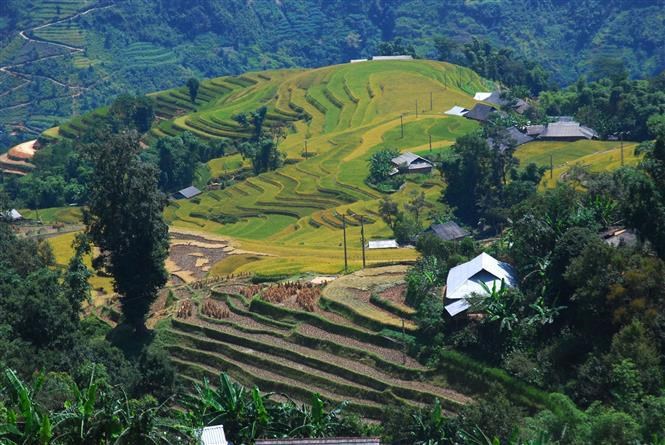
(449,231)
(187,193)
(382,244)
(330,441)
(213,435)
(411,163)
(11,215)
(567,131)
(517,136)
(480,112)
(468,279)
(535,130)
(402,57)
(457,111)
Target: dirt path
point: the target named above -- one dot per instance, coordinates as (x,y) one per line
(29,78)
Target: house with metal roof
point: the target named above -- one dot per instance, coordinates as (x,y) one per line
(567,131)
(382,244)
(330,441)
(213,435)
(411,163)
(517,136)
(457,111)
(398,57)
(187,193)
(12,215)
(466,280)
(450,231)
(480,112)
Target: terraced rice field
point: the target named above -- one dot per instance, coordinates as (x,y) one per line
(344,113)
(295,352)
(597,155)
(336,118)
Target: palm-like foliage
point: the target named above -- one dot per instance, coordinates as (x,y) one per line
(25,422)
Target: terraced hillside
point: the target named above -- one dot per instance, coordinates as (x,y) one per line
(281,347)
(336,117)
(343,114)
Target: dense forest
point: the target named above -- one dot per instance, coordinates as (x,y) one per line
(135,46)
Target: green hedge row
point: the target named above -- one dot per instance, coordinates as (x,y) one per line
(349,93)
(315,103)
(331,97)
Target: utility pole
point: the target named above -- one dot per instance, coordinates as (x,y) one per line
(430,142)
(401,123)
(305,148)
(551,166)
(431,101)
(621,135)
(362,236)
(416,108)
(346,261)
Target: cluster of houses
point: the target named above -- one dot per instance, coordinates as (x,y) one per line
(382,58)
(563,129)
(214,435)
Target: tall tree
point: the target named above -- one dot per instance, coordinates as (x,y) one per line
(124,219)
(193,87)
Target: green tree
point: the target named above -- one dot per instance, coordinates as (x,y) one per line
(124,219)
(77,276)
(193,88)
(381,166)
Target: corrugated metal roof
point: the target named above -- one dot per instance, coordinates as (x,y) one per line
(331,441)
(458,306)
(403,57)
(457,111)
(213,435)
(466,278)
(481,96)
(535,130)
(449,231)
(481,112)
(408,159)
(517,136)
(383,244)
(11,215)
(189,192)
(566,129)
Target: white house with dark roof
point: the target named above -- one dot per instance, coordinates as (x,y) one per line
(411,163)
(467,280)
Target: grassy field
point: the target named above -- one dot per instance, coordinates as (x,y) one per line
(597,155)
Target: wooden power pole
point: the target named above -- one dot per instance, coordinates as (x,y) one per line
(346,261)
(430,142)
(401,124)
(362,236)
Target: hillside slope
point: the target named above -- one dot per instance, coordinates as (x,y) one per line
(56,62)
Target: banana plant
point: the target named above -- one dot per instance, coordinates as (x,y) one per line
(25,423)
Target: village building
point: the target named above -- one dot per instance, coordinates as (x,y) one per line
(411,164)
(450,231)
(517,137)
(535,130)
(382,244)
(400,57)
(187,193)
(329,441)
(12,215)
(466,280)
(480,112)
(214,435)
(568,131)
(457,111)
